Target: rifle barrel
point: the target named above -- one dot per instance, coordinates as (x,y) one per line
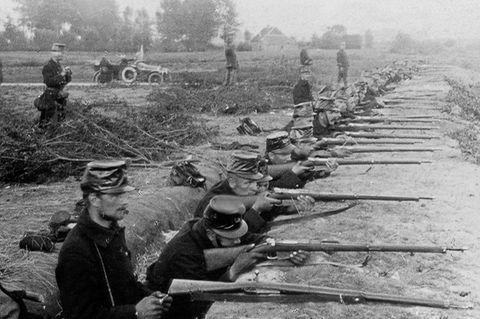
(388,120)
(341,141)
(377,135)
(333,247)
(322,161)
(291,194)
(386,150)
(384,127)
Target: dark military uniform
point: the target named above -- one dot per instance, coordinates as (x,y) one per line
(106,71)
(256,221)
(80,278)
(304,58)
(1,72)
(342,63)
(55,99)
(183,258)
(302,92)
(231,65)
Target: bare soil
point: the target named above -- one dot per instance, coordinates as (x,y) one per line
(450,219)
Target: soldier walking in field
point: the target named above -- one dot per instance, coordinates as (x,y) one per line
(231,62)
(342,63)
(55,77)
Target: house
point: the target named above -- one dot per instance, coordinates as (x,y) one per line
(272,39)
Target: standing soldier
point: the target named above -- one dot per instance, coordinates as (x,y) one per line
(55,77)
(1,72)
(342,63)
(232,63)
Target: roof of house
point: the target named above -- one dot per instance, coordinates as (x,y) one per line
(270,32)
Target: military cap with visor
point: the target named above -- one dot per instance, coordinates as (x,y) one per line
(279,143)
(246,165)
(58,47)
(224,216)
(105,177)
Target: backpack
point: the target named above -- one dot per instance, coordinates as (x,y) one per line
(39,102)
(185,173)
(248,127)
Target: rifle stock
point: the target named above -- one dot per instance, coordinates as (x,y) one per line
(270,291)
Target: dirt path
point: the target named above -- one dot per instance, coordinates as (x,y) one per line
(450,219)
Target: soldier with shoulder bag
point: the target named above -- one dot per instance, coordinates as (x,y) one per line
(53,101)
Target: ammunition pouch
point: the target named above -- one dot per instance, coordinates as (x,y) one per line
(248,127)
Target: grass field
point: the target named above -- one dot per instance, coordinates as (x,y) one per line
(26,66)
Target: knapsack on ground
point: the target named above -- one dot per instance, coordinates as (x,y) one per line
(248,127)
(185,173)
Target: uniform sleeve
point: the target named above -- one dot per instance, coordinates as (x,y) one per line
(254,221)
(288,180)
(80,290)
(51,79)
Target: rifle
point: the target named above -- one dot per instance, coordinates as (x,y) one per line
(216,258)
(341,161)
(377,119)
(377,135)
(380,127)
(290,293)
(351,141)
(385,150)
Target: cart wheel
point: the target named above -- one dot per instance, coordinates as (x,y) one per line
(155,78)
(96,77)
(129,74)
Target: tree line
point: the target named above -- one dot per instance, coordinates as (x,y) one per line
(179,25)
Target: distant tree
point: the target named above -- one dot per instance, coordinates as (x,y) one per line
(190,23)
(332,38)
(353,41)
(142,29)
(12,37)
(403,43)
(368,38)
(226,14)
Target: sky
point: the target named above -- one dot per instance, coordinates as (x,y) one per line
(301,18)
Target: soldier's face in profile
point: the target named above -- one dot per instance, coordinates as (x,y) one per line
(244,187)
(279,158)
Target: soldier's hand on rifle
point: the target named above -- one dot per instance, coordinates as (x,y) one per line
(302,168)
(304,204)
(151,307)
(299,257)
(264,203)
(331,164)
(321,144)
(244,262)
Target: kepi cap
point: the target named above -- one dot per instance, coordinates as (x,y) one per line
(58,47)
(279,143)
(106,177)
(245,165)
(224,216)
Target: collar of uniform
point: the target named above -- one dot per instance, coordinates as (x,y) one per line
(199,234)
(100,235)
